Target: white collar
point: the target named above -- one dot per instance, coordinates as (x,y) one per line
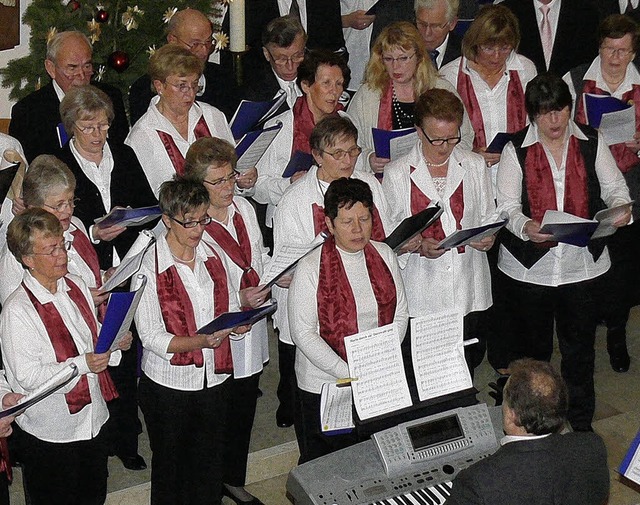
(513,63)
(58,90)
(42,294)
(107,157)
(533,137)
(594,73)
(165,258)
(163,124)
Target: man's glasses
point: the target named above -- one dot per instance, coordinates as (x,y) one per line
(281,61)
(197,44)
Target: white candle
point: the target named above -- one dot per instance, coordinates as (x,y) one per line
(236,28)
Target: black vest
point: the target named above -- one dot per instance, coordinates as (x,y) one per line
(529,253)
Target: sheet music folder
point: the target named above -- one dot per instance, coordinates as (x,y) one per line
(6,179)
(230,320)
(411,226)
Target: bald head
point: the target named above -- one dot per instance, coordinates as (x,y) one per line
(192,30)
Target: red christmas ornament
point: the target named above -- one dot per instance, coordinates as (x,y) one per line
(119,61)
(102,16)
(74,5)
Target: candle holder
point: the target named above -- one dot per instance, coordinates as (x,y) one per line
(238,70)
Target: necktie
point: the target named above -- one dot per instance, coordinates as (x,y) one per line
(545,34)
(292,95)
(294,10)
(434,57)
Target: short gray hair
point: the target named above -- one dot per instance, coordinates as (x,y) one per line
(24,226)
(452,6)
(84,102)
(53,46)
(45,173)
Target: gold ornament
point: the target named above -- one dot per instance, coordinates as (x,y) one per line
(131,16)
(220,41)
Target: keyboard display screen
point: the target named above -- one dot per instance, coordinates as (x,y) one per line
(439,431)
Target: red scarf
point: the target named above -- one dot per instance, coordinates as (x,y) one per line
(240,251)
(625,158)
(516,114)
(88,253)
(539,180)
(65,347)
(319,225)
(178,317)
(385,111)
(420,201)
(177,160)
(303,124)
(337,310)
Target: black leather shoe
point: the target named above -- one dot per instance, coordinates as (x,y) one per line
(619,358)
(136,462)
(283,420)
(229,494)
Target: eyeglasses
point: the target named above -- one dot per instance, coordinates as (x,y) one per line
(388,60)
(90,130)
(433,26)
(192,224)
(61,207)
(281,61)
(620,52)
(70,71)
(439,142)
(218,182)
(55,250)
(194,46)
(184,88)
(338,155)
(495,49)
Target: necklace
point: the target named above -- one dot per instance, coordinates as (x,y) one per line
(403,118)
(429,164)
(180,260)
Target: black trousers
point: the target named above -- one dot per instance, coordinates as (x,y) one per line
(71,473)
(287,383)
(572,308)
(311,441)
(241,411)
(186,433)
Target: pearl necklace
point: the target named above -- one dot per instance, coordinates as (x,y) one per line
(429,164)
(185,262)
(401,116)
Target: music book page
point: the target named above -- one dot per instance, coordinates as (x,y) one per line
(437,352)
(336,409)
(375,360)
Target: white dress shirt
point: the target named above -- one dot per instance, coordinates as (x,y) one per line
(357,41)
(250,350)
(316,361)
(99,174)
(153,333)
(623,5)
(293,224)
(554,15)
(12,270)
(454,280)
(492,101)
(152,155)
(284,7)
(291,88)
(564,263)
(31,361)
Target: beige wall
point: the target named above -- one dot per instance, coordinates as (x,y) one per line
(5,56)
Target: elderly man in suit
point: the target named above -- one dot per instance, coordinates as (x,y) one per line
(557,35)
(192,30)
(35,118)
(536,464)
(436,20)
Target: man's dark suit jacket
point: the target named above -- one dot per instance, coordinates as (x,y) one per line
(34,120)
(221,92)
(576,39)
(453,50)
(566,469)
(129,187)
(608,7)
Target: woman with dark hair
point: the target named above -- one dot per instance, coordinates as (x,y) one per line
(347,263)
(614,73)
(437,169)
(300,219)
(322,76)
(555,164)
(491,77)
(398,72)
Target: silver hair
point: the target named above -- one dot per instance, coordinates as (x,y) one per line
(53,46)
(452,6)
(46,173)
(84,102)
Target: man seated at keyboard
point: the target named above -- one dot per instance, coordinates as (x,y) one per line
(536,464)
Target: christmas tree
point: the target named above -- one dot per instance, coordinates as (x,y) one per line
(124,34)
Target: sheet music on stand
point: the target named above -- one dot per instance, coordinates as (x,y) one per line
(375,360)
(437,352)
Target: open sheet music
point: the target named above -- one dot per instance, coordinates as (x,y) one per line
(336,409)
(121,216)
(411,226)
(466,236)
(117,320)
(393,143)
(437,352)
(375,360)
(250,115)
(131,262)
(253,146)
(286,258)
(568,228)
(58,381)
(606,218)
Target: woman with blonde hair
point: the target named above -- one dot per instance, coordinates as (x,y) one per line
(398,72)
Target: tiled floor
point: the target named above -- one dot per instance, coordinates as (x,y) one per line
(274,450)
